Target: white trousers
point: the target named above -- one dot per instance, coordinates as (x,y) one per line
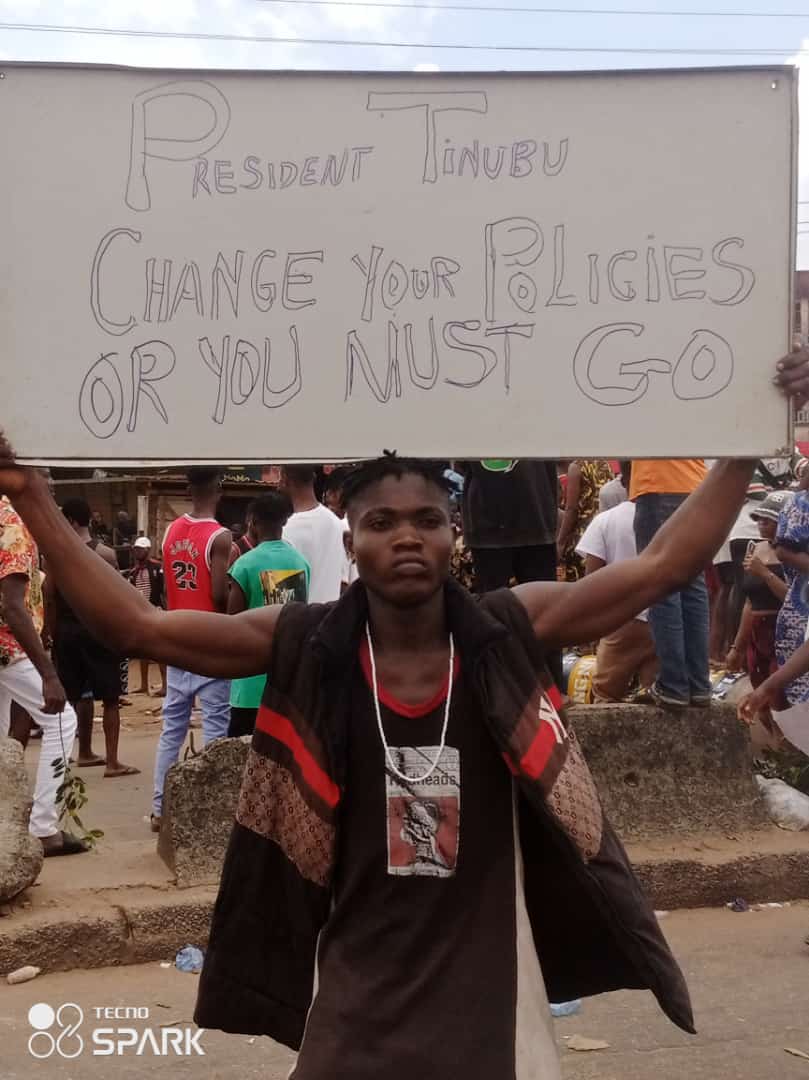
(21,682)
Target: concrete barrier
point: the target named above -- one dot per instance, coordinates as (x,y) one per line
(663,773)
(660,774)
(678,788)
(21,855)
(199,805)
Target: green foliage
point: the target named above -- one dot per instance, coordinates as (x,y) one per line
(71,797)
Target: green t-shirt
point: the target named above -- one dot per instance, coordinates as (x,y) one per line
(274,572)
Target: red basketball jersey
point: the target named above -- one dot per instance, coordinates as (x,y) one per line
(187,563)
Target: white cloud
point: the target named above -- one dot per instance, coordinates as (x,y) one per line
(427,67)
(251,18)
(343,14)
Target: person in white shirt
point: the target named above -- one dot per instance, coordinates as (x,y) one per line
(316,532)
(630,650)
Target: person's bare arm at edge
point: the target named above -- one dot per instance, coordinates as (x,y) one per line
(237,602)
(219,646)
(220,557)
(795,560)
(573,613)
(20,623)
(570,513)
(769,694)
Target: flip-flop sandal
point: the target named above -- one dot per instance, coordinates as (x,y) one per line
(92,764)
(128,770)
(71,845)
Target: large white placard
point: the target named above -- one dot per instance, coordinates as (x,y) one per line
(255,267)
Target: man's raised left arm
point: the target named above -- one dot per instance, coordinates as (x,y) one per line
(570,614)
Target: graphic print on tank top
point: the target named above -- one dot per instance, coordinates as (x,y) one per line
(283,586)
(423,817)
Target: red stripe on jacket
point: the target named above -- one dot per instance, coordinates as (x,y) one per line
(538,754)
(281,728)
(554,697)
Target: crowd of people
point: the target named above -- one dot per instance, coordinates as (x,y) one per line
(747,612)
(291,547)
(514,522)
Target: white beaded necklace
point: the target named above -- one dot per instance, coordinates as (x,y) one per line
(388,755)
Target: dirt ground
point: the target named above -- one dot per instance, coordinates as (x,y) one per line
(748,975)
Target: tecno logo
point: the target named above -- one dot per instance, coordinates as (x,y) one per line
(56,1031)
(65,1041)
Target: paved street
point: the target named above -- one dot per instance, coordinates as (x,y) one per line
(748,973)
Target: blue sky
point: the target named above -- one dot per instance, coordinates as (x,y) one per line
(341,20)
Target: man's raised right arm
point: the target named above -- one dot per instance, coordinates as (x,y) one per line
(219,646)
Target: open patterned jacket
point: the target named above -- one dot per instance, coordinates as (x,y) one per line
(275,891)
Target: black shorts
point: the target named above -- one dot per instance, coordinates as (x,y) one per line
(242,722)
(85,667)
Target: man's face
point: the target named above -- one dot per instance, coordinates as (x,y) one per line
(141,554)
(402,538)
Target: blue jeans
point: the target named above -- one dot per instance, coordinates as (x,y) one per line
(679,623)
(182,687)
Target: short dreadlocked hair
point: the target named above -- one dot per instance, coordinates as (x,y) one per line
(371,472)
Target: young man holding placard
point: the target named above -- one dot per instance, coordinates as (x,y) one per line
(419,848)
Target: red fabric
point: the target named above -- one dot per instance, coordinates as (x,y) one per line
(554,696)
(280,728)
(412,712)
(186,563)
(761,661)
(538,754)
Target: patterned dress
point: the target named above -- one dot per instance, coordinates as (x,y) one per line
(790,630)
(594,475)
(461,565)
(18,555)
